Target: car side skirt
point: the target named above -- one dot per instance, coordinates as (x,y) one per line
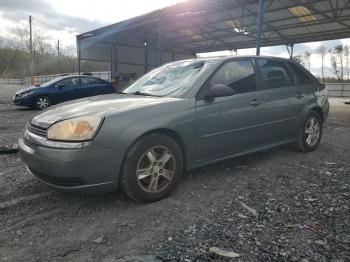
(200,163)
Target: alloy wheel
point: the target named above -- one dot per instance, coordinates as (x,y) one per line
(312,131)
(155,169)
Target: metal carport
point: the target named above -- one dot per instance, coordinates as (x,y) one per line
(180,31)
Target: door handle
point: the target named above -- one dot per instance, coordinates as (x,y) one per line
(299,95)
(256,102)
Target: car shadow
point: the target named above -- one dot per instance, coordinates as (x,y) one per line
(198,176)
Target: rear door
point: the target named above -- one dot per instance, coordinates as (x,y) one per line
(307,85)
(233,124)
(283,100)
(92,86)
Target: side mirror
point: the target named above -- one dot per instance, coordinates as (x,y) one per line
(218,90)
(60,86)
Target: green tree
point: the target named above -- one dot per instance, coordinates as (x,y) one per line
(299,59)
(337,61)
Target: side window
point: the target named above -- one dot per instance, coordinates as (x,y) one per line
(65,82)
(74,81)
(90,81)
(274,74)
(239,75)
(303,77)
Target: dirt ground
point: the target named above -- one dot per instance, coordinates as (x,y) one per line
(301,200)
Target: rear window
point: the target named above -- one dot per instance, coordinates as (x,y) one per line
(90,81)
(275,74)
(303,77)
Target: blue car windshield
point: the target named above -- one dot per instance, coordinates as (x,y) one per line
(169,80)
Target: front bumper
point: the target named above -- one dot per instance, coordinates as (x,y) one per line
(90,169)
(23,101)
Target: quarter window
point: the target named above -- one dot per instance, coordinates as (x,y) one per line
(302,76)
(239,75)
(90,81)
(274,74)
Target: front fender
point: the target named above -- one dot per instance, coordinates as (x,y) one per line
(120,131)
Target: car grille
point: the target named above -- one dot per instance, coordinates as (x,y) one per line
(37,130)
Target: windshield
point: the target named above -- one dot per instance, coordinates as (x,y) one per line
(51,82)
(169,80)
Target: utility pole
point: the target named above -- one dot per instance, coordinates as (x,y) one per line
(58,53)
(31,47)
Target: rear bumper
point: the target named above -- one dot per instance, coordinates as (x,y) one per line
(325,110)
(78,170)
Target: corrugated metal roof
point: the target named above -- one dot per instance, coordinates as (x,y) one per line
(207,25)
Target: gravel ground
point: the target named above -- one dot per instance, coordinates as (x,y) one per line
(299,207)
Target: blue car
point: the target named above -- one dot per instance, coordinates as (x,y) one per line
(60,90)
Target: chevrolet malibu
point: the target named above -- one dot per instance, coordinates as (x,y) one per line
(178,117)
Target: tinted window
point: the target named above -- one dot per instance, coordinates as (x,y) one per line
(74,81)
(274,74)
(304,78)
(239,75)
(90,81)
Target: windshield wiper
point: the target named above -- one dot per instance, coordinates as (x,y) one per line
(138,93)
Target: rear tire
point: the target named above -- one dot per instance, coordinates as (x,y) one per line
(310,133)
(42,102)
(152,168)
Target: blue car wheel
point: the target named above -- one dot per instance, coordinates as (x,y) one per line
(42,102)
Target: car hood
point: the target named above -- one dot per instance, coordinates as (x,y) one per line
(26,90)
(100,105)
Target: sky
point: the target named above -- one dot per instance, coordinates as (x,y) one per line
(71,17)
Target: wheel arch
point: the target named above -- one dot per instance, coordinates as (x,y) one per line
(319,111)
(173,135)
(39,95)
(165,131)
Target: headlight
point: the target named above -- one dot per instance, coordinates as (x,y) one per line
(75,129)
(27,94)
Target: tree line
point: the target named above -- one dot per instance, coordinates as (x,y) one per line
(16,61)
(339,60)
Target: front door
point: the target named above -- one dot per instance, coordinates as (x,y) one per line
(233,124)
(66,90)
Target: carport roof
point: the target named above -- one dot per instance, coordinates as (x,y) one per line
(207,25)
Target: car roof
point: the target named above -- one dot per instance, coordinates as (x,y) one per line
(68,76)
(219,59)
(223,58)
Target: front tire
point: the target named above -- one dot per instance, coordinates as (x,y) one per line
(152,168)
(42,102)
(310,133)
